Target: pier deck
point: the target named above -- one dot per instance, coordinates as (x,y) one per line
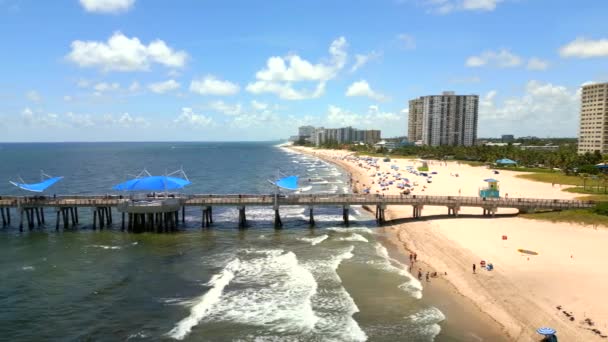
(163,214)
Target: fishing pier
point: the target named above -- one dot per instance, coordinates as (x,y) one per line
(162,214)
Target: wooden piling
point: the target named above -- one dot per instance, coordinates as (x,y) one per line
(21,220)
(42,215)
(3,218)
(345,215)
(277,219)
(183,214)
(311,217)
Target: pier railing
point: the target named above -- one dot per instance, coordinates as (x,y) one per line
(306,200)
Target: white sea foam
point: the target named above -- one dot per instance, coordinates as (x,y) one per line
(314,240)
(274,292)
(106,247)
(28,268)
(333,304)
(351,230)
(412,286)
(430,319)
(354,237)
(205,302)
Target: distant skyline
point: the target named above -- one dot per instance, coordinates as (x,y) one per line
(153,70)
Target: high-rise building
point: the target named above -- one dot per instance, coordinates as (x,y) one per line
(507,138)
(593,128)
(446,119)
(344,135)
(306,132)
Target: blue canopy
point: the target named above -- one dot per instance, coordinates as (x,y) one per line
(38,187)
(602,166)
(152,183)
(490,180)
(506,161)
(545,331)
(289,183)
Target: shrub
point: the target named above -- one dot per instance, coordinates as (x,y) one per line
(601,208)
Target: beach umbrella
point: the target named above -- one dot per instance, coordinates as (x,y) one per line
(545,331)
(152,183)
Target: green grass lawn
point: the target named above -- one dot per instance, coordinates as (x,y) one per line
(423,169)
(557,178)
(580,216)
(527,169)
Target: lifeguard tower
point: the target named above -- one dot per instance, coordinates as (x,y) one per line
(492,190)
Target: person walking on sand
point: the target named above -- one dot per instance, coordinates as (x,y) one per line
(474,268)
(415,257)
(427,276)
(419,274)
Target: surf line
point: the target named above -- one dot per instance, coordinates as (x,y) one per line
(202,307)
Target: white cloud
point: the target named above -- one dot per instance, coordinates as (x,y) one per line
(103,87)
(585,48)
(361,60)
(481,5)
(121,53)
(258,105)
(163,87)
(501,59)
(281,73)
(374,118)
(189,118)
(210,85)
(537,64)
(225,108)
(79,120)
(407,41)
(285,90)
(547,110)
(448,6)
(134,86)
(362,88)
(107,6)
(33,96)
(67,98)
(127,121)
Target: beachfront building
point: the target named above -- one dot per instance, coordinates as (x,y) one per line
(593,128)
(446,119)
(344,135)
(305,133)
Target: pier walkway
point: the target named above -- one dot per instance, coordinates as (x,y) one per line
(161,213)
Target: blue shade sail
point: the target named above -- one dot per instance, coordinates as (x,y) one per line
(38,187)
(490,180)
(289,183)
(152,183)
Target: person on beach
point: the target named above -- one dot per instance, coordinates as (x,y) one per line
(474,268)
(427,277)
(419,274)
(415,257)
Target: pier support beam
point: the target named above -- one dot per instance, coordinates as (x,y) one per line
(277,219)
(380,208)
(311,216)
(3,218)
(453,211)
(345,214)
(417,213)
(242,218)
(183,214)
(21,219)
(6,217)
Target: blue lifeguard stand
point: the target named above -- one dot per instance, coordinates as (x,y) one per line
(492,190)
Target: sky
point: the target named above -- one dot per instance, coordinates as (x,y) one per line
(227,70)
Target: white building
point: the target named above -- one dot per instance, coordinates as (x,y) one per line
(446,119)
(593,128)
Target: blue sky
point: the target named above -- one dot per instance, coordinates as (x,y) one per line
(131,70)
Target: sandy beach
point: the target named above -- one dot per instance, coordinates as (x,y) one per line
(562,287)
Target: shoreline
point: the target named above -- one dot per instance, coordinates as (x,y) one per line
(475,324)
(517,302)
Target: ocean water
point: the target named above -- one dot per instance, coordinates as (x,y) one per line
(328,283)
